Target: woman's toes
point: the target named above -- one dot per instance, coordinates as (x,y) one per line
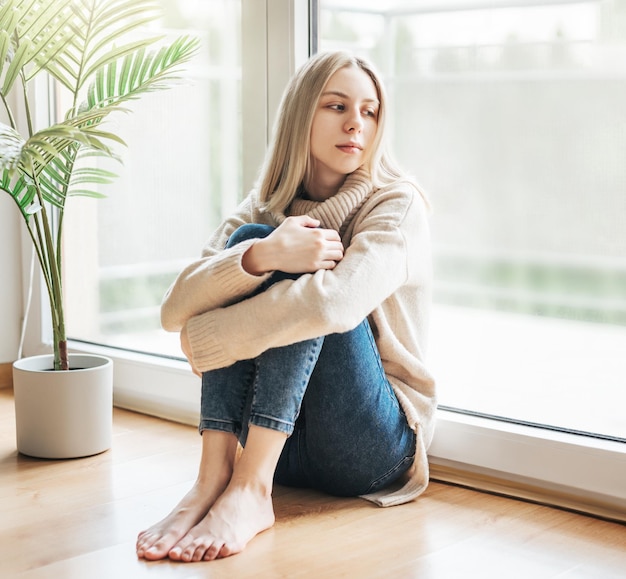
(213,551)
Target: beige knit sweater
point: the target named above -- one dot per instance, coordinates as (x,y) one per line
(385,275)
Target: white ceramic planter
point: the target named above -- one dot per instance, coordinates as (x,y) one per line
(63,414)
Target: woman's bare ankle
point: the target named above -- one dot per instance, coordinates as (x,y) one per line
(216,468)
(240,513)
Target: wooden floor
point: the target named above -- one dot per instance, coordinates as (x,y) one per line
(78,519)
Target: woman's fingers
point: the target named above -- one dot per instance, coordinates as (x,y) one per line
(299,245)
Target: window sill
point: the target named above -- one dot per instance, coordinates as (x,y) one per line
(154,385)
(565,470)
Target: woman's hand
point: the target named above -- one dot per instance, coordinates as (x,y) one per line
(297,245)
(186,348)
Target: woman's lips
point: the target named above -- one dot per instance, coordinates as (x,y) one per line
(350,148)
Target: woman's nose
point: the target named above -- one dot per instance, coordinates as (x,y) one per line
(354,122)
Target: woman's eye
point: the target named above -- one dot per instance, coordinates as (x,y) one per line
(340,107)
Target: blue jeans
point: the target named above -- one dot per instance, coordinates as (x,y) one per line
(347,434)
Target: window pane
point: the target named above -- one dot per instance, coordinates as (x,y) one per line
(181,173)
(512,118)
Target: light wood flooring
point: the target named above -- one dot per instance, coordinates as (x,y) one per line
(79,518)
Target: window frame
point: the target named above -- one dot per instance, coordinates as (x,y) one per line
(560,468)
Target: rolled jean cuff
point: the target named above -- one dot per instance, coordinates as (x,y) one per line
(272,423)
(216,424)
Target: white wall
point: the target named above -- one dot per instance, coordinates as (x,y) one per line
(10,271)
(10,279)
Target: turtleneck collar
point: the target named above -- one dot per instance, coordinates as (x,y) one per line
(336,211)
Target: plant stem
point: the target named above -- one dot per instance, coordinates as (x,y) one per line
(27,105)
(55,288)
(9,112)
(72,152)
(49,259)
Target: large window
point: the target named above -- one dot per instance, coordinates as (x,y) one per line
(509,112)
(511,116)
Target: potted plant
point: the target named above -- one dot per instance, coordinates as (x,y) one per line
(93,50)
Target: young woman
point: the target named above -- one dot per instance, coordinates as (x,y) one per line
(306,318)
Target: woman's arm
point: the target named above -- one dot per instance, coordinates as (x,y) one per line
(384,254)
(296,246)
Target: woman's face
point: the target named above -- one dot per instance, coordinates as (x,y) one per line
(344,126)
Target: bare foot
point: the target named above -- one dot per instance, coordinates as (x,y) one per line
(237,516)
(155,542)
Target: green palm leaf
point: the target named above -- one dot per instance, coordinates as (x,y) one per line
(50,33)
(24,53)
(139,73)
(8,17)
(11,144)
(100,34)
(85,175)
(22,192)
(62,178)
(37,32)
(5,47)
(50,142)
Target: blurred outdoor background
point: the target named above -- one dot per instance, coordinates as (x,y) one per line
(511,116)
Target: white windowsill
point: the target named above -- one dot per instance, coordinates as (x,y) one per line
(584,467)
(586,473)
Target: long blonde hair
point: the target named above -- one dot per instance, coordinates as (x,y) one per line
(288,159)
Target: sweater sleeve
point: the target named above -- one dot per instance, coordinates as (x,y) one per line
(217,279)
(374,266)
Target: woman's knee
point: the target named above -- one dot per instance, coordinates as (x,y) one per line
(249,231)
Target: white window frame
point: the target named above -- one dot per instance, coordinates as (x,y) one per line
(539,464)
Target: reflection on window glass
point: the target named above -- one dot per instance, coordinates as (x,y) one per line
(181,173)
(512,118)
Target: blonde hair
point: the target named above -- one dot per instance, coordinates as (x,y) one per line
(288,160)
